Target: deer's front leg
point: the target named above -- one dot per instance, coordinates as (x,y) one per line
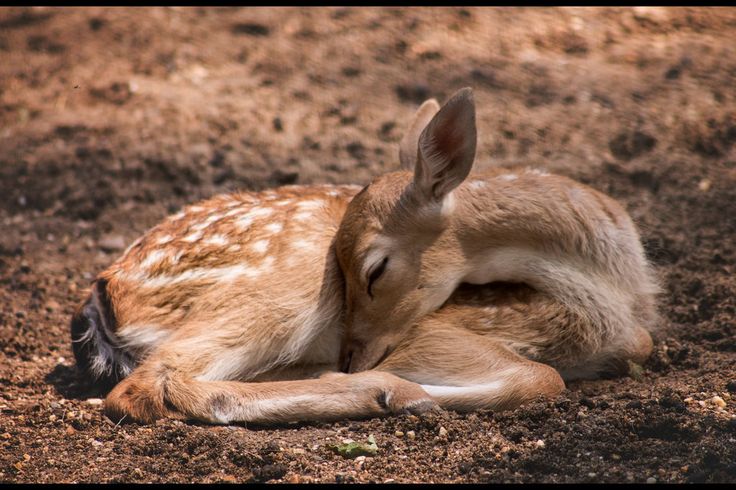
(163,387)
(464,371)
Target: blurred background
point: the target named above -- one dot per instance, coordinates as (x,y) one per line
(112,118)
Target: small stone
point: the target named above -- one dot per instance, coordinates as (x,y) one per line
(6,436)
(615,457)
(52,305)
(26,457)
(442,432)
(398,433)
(411,435)
(70,430)
(52,418)
(684,468)
(94,401)
(232,479)
(540,443)
(651,479)
(704,185)
(592,475)
(731,386)
(293,478)
(718,401)
(111,243)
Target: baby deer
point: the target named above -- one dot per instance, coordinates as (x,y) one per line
(426,287)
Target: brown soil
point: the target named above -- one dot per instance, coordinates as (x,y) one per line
(112,118)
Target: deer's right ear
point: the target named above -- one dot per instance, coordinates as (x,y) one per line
(410,142)
(447,147)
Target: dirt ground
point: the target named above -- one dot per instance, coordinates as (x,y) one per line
(111,118)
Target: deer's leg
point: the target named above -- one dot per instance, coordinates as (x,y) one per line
(155,390)
(465,371)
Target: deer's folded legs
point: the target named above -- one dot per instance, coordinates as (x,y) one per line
(465,371)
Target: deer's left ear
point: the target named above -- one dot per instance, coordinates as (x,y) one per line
(447,147)
(408,147)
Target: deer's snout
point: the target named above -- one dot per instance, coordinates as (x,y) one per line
(357,356)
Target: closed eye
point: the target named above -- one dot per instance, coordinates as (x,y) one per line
(375,273)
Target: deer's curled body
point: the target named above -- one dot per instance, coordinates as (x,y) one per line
(242,307)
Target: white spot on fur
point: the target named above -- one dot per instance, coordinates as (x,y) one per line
(218,240)
(177,216)
(154,258)
(304,245)
(261,246)
(218,274)
(478,184)
(195,209)
(274,227)
(254,213)
(234,248)
(164,240)
(303,216)
(193,237)
(284,202)
(508,177)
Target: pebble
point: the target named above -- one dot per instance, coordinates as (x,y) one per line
(704,185)
(540,443)
(94,401)
(719,402)
(443,432)
(651,479)
(6,435)
(70,430)
(411,435)
(52,305)
(398,433)
(111,243)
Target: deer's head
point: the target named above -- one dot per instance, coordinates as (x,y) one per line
(394,244)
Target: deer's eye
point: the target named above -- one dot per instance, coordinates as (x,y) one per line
(375,273)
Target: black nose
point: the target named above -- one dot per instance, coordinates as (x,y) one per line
(345,361)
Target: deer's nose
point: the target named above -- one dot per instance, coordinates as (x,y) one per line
(348,352)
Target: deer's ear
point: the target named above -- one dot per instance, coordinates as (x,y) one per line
(409,145)
(447,147)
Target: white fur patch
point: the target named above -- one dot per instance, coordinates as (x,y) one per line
(142,336)
(304,245)
(217,274)
(274,227)
(303,216)
(218,240)
(261,246)
(459,391)
(154,258)
(508,177)
(164,240)
(193,237)
(247,220)
(478,184)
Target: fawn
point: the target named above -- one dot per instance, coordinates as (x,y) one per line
(425,288)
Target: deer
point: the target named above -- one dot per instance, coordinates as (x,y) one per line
(428,288)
